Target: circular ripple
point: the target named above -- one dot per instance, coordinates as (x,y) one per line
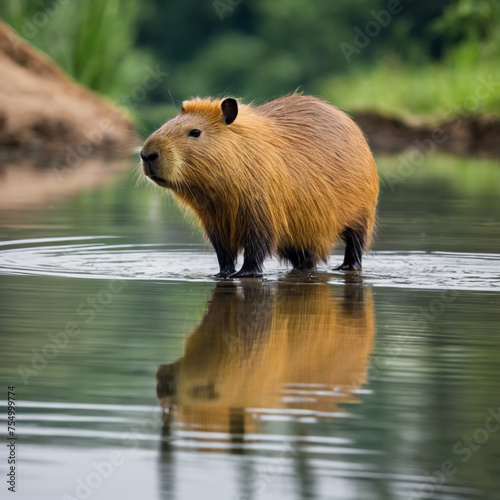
(95,257)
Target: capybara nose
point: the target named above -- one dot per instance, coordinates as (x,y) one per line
(148,156)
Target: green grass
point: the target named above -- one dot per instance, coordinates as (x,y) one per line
(467,176)
(445,90)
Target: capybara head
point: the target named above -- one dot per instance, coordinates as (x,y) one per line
(191,151)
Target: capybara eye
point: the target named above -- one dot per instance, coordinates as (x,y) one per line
(194,133)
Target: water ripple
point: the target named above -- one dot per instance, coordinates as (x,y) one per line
(97,258)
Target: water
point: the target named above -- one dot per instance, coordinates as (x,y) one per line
(379,386)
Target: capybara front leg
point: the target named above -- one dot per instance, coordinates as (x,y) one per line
(254,259)
(225,256)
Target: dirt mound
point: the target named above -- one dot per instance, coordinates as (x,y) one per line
(43,111)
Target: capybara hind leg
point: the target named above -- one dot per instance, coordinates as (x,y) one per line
(302,260)
(225,256)
(354,241)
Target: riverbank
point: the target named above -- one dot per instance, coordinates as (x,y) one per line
(473,135)
(454,103)
(44,112)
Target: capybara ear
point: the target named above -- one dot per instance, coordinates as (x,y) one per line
(229,110)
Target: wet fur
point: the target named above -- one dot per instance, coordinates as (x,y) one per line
(287,178)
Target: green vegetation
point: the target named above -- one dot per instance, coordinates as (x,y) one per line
(398,57)
(399,89)
(467,177)
(464,82)
(93,40)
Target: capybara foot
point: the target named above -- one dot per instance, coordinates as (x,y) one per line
(348,267)
(225,273)
(247,273)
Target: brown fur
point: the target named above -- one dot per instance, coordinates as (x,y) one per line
(286,178)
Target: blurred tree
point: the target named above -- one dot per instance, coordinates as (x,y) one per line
(256,49)
(471,29)
(470,20)
(260,49)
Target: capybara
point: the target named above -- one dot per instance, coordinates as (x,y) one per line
(287,178)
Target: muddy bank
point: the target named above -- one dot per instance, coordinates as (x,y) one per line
(470,136)
(43,111)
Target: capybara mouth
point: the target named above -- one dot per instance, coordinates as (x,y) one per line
(158,180)
(148,171)
(150,174)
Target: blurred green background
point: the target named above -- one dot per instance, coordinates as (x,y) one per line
(397,57)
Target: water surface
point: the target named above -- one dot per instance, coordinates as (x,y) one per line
(139,376)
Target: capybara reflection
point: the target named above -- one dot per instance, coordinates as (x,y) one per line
(280,347)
